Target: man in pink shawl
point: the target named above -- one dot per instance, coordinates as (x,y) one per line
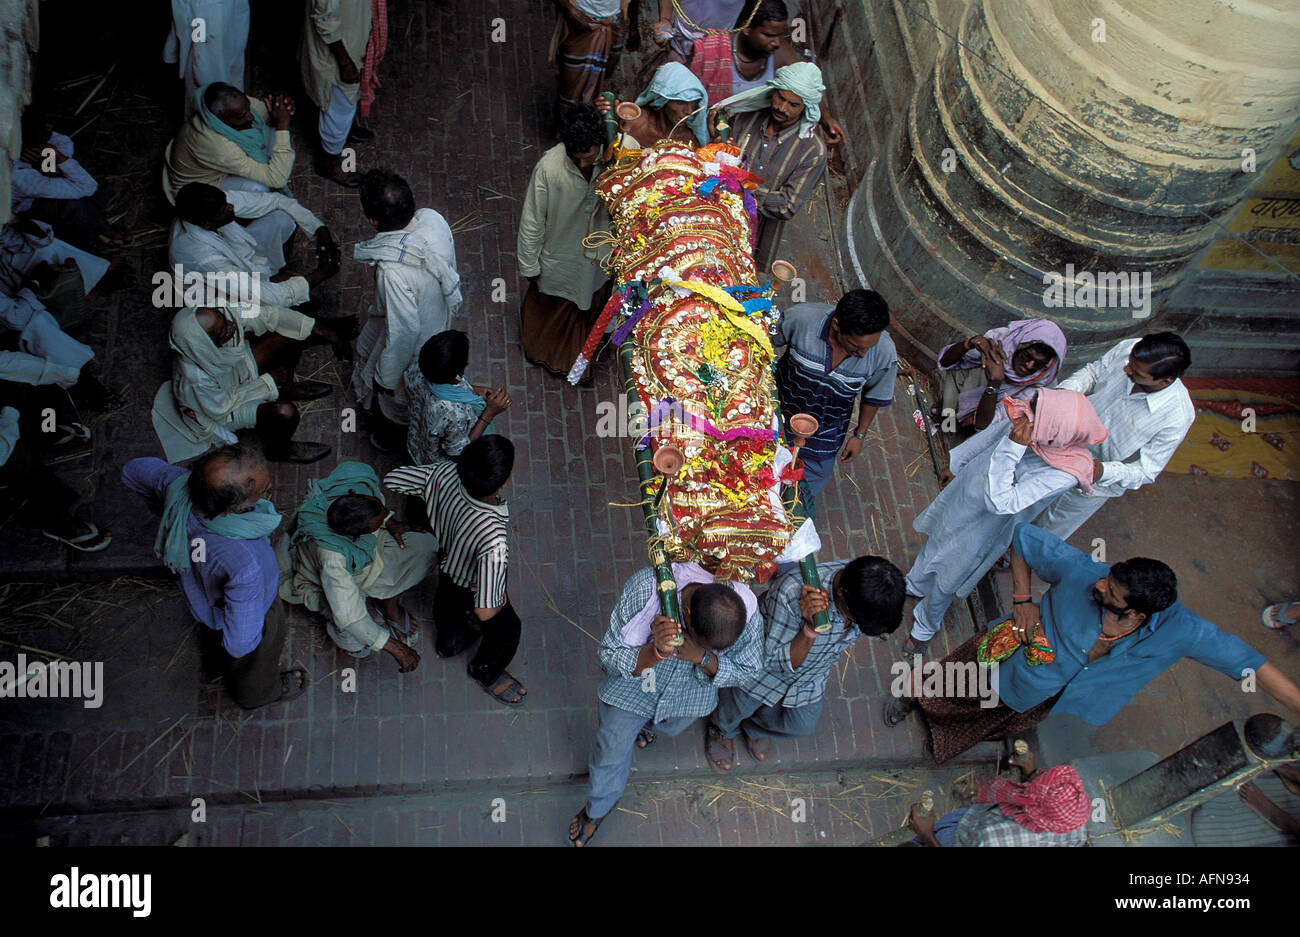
(1009,361)
(1000,477)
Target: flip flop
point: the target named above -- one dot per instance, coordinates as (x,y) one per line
(583,839)
(91,542)
(1272,619)
(897,710)
(70,432)
(918,647)
(287,688)
(511,686)
(717,752)
(405,635)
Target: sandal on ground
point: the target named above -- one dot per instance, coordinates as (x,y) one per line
(293,683)
(70,432)
(507,684)
(92,541)
(758,748)
(645,738)
(720,750)
(911,647)
(897,710)
(1272,619)
(405,632)
(583,839)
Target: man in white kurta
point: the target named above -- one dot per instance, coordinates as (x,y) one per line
(417,291)
(998,484)
(333,48)
(337,586)
(205,237)
(1148,415)
(210,50)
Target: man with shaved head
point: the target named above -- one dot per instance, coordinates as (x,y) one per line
(215,534)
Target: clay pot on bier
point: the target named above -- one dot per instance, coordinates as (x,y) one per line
(668,460)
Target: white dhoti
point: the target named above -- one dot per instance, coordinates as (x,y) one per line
(270,231)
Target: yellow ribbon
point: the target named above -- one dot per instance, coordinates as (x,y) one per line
(731,308)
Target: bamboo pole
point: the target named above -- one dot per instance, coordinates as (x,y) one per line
(668,599)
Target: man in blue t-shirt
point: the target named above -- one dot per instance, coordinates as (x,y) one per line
(833,357)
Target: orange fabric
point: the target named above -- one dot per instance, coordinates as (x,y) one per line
(1065,425)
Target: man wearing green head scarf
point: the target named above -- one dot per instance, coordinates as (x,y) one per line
(347,547)
(232,141)
(775,126)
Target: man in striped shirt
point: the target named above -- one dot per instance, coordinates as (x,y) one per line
(785,150)
(1136,391)
(785,699)
(469,520)
(833,357)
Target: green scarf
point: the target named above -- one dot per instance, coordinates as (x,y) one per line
(252,140)
(348,478)
(173,541)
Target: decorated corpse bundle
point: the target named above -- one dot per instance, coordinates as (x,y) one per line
(691,325)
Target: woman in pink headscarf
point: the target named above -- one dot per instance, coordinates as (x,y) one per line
(1002,476)
(1004,362)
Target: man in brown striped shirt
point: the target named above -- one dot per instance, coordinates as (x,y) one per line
(469,520)
(782,144)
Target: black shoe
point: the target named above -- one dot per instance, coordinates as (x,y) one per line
(307,390)
(360,134)
(302,453)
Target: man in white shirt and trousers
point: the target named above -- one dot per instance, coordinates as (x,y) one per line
(206,42)
(417,291)
(1136,391)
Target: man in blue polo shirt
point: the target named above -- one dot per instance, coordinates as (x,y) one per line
(1112,629)
(832,357)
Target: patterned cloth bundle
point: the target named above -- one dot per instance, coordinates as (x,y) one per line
(687,300)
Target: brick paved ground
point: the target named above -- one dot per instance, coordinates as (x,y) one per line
(466,138)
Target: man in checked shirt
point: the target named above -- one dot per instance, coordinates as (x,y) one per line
(653,687)
(784,700)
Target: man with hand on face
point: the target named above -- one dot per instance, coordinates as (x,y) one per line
(1136,391)
(347,547)
(232,141)
(833,357)
(221,382)
(651,685)
(775,126)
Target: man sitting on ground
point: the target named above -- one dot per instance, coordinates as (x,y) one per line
(219,507)
(228,142)
(206,238)
(222,382)
(347,547)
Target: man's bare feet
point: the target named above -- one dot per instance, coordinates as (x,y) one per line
(720,750)
(1267,811)
(1289,775)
